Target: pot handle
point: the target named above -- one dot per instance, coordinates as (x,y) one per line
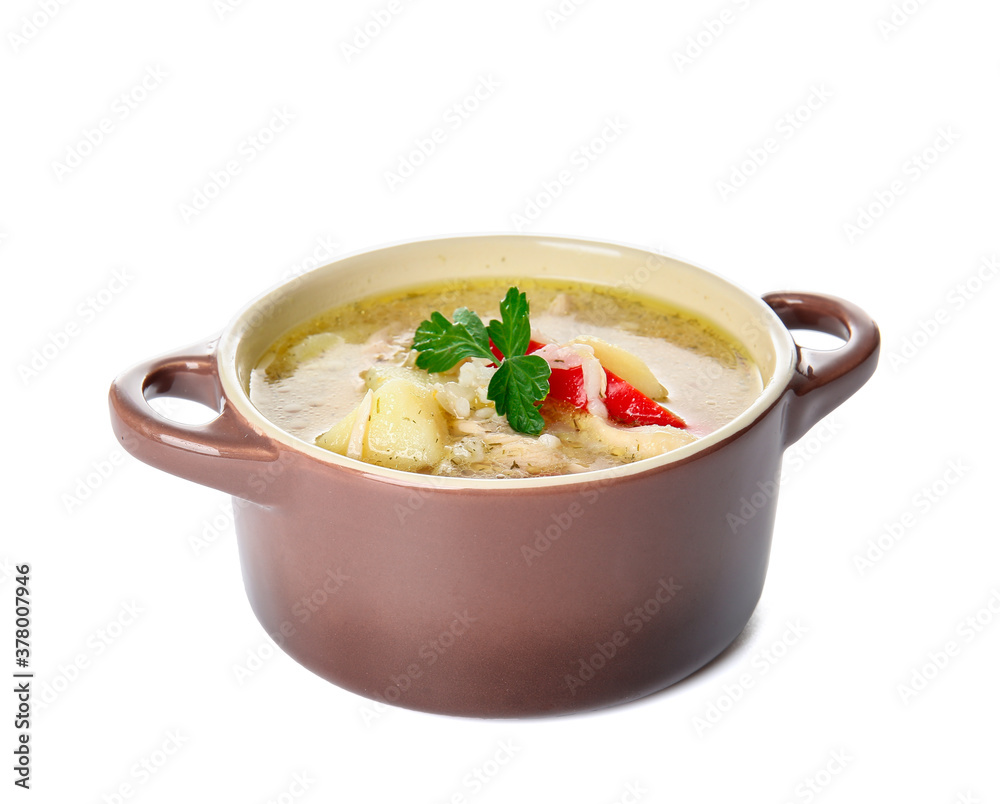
(226,453)
(825,379)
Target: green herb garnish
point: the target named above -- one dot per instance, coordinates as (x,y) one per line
(442,344)
(521,380)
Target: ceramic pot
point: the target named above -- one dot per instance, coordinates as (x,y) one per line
(501,598)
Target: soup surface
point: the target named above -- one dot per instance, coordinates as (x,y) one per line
(347,381)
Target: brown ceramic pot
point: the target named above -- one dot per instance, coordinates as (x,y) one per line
(501,598)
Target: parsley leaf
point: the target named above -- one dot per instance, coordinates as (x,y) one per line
(512,334)
(442,344)
(520,382)
(473,323)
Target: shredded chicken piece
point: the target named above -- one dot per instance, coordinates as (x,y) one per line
(595,386)
(560,357)
(634,443)
(470,427)
(562,304)
(455,398)
(389,344)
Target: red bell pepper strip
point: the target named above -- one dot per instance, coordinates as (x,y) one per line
(627,405)
(567,385)
(624,403)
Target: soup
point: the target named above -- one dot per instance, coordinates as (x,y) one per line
(628,378)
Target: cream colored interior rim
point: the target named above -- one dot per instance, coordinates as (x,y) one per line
(418,262)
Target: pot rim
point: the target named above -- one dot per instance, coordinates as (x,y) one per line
(231,337)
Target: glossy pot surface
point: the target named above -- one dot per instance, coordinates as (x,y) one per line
(501,598)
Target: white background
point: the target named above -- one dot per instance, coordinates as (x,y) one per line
(105,533)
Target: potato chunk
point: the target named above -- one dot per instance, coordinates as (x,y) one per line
(314,346)
(337,437)
(379,375)
(626,365)
(405,429)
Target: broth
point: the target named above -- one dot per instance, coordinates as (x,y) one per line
(314,377)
